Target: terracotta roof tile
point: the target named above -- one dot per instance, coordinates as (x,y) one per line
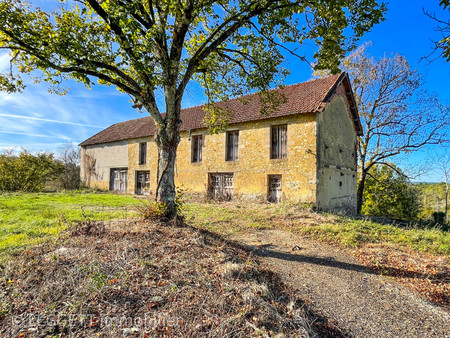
(305,97)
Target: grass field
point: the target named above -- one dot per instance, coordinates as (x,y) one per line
(229,217)
(27,219)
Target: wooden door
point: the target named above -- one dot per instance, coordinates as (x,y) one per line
(118,180)
(221,186)
(143,182)
(274,188)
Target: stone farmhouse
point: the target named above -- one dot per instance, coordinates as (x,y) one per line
(303,152)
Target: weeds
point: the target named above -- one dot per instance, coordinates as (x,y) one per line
(111,283)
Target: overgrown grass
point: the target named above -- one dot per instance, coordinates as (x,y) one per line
(227,218)
(350,232)
(27,219)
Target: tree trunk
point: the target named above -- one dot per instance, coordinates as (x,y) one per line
(360,192)
(167,143)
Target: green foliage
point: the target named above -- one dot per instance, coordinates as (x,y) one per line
(432,198)
(230,47)
(27,172)
(156,210)
(388,193)
(152,210)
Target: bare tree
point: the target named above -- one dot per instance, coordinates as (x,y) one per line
(443,27)
(69,155)
(397,115)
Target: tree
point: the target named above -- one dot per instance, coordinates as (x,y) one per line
(389,194)
(140,46)
(27,172)
(398,116)
(444,28)
(70,158)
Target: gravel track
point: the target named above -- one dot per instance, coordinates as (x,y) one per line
(336,286)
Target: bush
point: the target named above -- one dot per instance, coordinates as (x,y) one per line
(27,172)
(154,210)
(388,193)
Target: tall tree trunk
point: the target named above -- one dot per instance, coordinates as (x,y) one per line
(167,142)
(360,192)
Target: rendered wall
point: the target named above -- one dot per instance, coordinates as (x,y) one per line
(336,170)
(97,161)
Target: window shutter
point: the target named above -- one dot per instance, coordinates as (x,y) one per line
(200,147)
(236,146)
(283,143)
(278,146)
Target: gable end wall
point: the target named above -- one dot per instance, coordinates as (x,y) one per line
(336,144)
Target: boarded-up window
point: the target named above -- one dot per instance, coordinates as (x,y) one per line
(142,152)
(232,146)
(197,145)
(221,186)
(278,141)
(118,180)
(143,182)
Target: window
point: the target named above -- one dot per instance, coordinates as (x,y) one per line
(143,182)
(197,145)
(142,152)
(278,140)
(232,147)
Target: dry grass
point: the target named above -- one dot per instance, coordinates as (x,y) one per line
(418,258)
(141,279)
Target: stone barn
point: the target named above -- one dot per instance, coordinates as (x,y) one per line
(303,152)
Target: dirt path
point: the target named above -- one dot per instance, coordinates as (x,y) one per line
(360,302)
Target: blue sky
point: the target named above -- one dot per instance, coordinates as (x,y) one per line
(39,121)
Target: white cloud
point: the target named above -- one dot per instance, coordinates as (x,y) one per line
(49,120)
(33,135)
(4,62)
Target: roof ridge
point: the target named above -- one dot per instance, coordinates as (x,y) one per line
(270,90)
(304,97)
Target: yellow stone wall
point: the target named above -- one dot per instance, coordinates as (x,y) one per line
(252,168)
(133,162)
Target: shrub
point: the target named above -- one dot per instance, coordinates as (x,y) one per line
(152,210)
(156,210)
(388,193)
(27,172)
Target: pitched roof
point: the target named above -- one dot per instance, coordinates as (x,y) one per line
(305,97)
